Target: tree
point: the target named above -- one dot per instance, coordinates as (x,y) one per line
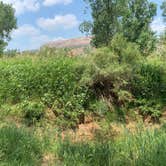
(106,15)
(162,41)
(136,24)
(7,24)
(86,27)
(163,8)
(132,18)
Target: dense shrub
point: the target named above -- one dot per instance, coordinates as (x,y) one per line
(117,73)
(149,107)
(128,80)
(106,73)
(108,78)
(100,107)
(48,99)
(25,78)
(46,79)
(33,111)
(126,51)
(149,80)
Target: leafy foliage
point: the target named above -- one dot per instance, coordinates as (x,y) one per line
(136,24)
(74,87)
(86,27)
(105,16)
(149,81)
(33,111)
(7,24)
(163,8)
(132,18)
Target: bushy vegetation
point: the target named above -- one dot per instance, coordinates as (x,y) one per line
(33,111)
(107,80)
(48,88)
(8,22)
(131,18)
(48,94)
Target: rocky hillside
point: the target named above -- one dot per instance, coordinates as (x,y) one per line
(71,43)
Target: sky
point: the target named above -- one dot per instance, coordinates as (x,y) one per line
(42,21)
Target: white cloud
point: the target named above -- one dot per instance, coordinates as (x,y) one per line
(59,21)
(59,39)
(22,6)
(55,2)
(158,25)
(25,30)
(30,35)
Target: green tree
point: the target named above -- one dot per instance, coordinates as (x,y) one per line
(86,27)
(132,18)
(106,17)
(162,41)
(163,8)
(136,24)
(7,24)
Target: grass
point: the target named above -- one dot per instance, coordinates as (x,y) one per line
(145,148)
(19,147)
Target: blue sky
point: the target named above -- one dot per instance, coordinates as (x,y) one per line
(41,21)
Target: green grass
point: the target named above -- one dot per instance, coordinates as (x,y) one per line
(18,147)
(142,149)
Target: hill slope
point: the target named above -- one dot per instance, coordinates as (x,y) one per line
(70,43)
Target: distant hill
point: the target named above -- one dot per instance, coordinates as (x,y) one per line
(70,43)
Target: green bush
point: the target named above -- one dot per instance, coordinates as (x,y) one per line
(99,107)
(118,73)
(126,51)
(149,108)
(27,78)
(106,75)
(46,78)
(149,81)
(48,99)
(69,114)
(18,147)
(33,111)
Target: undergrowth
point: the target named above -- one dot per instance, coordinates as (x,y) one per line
(101,83)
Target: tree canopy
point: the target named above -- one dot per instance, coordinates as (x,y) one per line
(8,22)
(132,18)
(163,8)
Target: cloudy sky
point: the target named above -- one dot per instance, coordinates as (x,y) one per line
(40,21)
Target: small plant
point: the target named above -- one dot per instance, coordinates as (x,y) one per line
(99,107)
(48,99)
(33,111)
(68,115)
(149,108)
